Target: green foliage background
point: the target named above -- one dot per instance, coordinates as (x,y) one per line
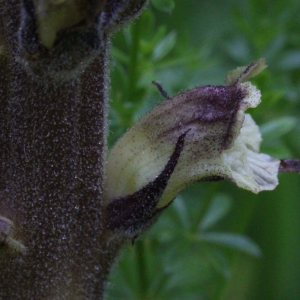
(216,241)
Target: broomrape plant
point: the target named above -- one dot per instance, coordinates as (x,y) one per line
(64,211)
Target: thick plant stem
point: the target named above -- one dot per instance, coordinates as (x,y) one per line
(56,136)
(54,185)
(53,96)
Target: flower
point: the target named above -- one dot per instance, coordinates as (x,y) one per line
(200,134)
(58,39)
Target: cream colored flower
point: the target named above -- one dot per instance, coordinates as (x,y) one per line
(199,134)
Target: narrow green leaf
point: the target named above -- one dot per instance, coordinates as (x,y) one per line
(232,240)
(181,209)
(165,46)
(218,208)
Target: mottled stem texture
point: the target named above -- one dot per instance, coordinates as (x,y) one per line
(66,207)
(53,131)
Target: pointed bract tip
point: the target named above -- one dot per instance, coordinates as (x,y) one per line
(242,74)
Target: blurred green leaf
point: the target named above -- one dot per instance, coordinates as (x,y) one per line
(218,261)
(181,209)
(120,55)
(290,60)
(164,5)
(165,46)
(239,49)
(279,127)
(275,47)
(219,207)
(235,241)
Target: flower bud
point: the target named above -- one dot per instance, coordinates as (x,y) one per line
(60,38)
(217,141)
(56,15)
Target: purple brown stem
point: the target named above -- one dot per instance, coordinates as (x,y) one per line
(54,185)
(289,165)
(52,152)
(53,147)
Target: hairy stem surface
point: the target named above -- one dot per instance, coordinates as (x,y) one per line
(53,144)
